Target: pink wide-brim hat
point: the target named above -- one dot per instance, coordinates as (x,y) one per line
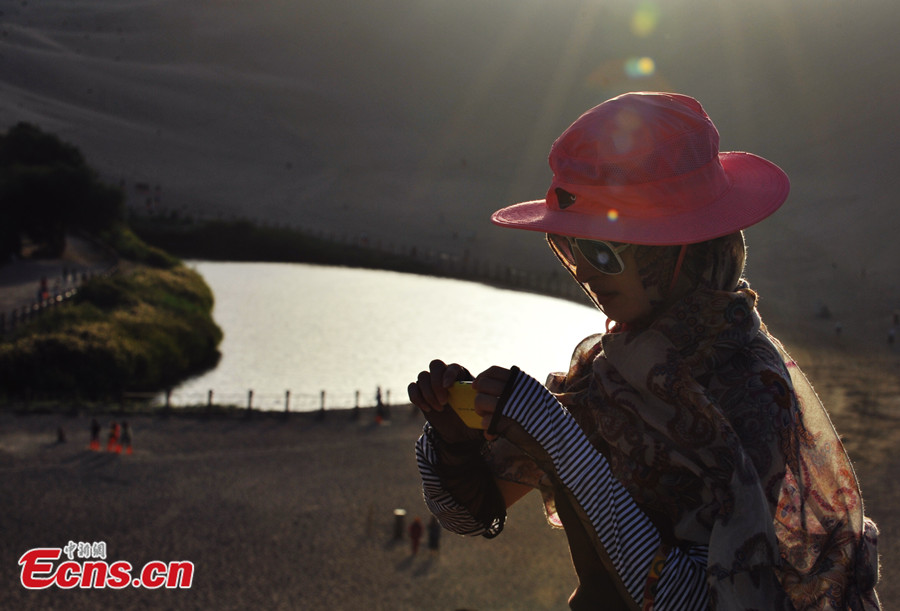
(645,168)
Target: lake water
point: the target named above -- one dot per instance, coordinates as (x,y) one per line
(307,329)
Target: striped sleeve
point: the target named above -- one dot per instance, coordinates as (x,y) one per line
(625,532)
(452,516)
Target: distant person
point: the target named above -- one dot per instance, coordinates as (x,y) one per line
(380,409)
(685,454)
(112,442)
(434,536)
(126,437)
(95,435)
(415,534)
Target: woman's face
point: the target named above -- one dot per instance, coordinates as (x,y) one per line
(621,297)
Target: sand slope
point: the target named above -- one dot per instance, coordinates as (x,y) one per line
(289,514)
(348,116)
(274,514)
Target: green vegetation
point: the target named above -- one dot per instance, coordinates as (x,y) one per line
(129,246)
(143,330)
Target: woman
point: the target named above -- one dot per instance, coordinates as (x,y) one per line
(688,459)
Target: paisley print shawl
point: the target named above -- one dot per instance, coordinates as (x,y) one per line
(709,424)
(719,437)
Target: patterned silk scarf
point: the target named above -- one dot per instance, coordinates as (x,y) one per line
(711,427)
(719,437)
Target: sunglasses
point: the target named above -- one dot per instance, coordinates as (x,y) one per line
(602,256)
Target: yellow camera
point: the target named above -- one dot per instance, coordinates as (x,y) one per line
(462,400)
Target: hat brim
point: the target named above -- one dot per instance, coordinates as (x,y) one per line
(757,189)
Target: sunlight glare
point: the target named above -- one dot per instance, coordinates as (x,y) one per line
(645,19)
(639,67)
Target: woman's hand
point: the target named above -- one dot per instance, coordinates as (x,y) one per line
(430,394)
(430,390)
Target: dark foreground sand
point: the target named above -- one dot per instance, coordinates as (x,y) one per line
(274,513)
(291,513)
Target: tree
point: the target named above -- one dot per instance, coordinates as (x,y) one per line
(47,188)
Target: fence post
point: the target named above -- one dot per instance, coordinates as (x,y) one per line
(249,400)
(209,398)
(321,414)
(287,401)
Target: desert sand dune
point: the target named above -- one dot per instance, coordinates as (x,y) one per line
(347,117)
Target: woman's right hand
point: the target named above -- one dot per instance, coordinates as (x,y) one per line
(430,394)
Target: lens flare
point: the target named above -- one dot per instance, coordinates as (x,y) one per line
(645,19)
(640,67)
(613,215)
